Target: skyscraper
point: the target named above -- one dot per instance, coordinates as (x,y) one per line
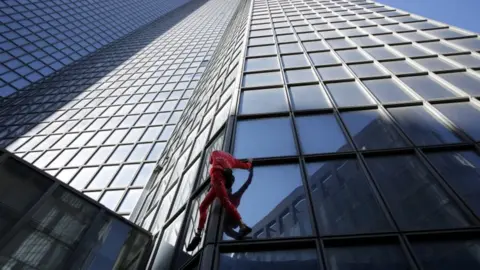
(361,119)
(38,38)
(101,123)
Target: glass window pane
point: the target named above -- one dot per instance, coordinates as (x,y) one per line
(286,260)
(48,156)
(144,174)
(262,79)
(334,73)
(63,158)
(83,177)
(371,129)
(151,134)
(472,44)
(343,200)
(82,157)
(416,199)
(311,46)
(125,176)
(286,38)
(387,90)
(283,213)
(300,75)
(381,53)
(427,88)
(308,97)
(435,64)
(261,50)
(410,50)
(439,47)
(461,114)
(414,36)
(130,200)
(462,172)
(261,41)
(364,41)
(339,43)
(390,38)
(294,60)
(120,153)
(421,127)
(264,138)
(156,151)
(367,70)
(263,101)
(290,48)
(323,58)
(400,67)
(111,199)
(103,177)
(348,94)
(376,257)
(139,153)
(264,63)
(320,134)
(458,254)
(467,60)
(352,55)
(465,81)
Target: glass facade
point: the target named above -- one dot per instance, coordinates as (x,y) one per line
(101,124)
(44,224)
(38,38)
(361,120)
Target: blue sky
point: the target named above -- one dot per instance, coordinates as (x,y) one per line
(460,13)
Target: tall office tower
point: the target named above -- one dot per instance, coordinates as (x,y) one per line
(38,38)
(363,123)
(101,124)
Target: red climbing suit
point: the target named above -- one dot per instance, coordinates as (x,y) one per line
(220,160)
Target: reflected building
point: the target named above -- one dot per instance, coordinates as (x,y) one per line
(100,124)
(47,225)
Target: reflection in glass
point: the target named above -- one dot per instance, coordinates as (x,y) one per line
(334,73)
(386,90)
(436,255)
(320,134)
(308,97)
(261,79)
(414,196)
(264,63)
(421,127)
(343,200)
(464,81)
(305,259)
(263,101)
(367,70)
(284,209)
(267,137)
(380,257)
(163,257)
(300,75)
(462,172)
(370,129)
(426,87)
(461,114)
(400,67)
(348,94)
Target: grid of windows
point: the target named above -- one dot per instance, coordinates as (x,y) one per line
(101,124)
(361,120)
(40,37)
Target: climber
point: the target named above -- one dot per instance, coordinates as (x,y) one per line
(221,162)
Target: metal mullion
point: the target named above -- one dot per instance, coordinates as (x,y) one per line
(320,246)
